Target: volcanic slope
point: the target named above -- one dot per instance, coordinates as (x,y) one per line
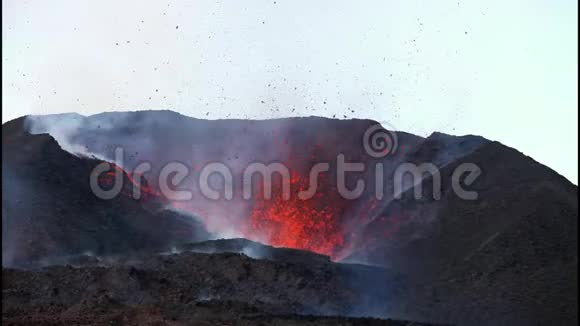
(49,211)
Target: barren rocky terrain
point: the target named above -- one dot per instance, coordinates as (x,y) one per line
(508,257)
(197,288)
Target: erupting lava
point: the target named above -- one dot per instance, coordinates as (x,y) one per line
(312,224)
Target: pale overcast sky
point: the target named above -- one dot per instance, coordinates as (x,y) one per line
(506,70)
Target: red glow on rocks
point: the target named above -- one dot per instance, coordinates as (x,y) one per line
(311,224)
(136,181)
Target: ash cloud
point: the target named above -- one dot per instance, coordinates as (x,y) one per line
(160,137)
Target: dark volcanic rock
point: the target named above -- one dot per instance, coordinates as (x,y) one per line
(255,250)
(49,210)
(508,257)
(194,288)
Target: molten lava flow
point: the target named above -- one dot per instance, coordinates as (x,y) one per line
(313,224)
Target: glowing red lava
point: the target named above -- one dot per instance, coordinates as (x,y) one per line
(311,224)
(107,179)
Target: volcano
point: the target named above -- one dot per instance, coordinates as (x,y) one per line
(507,256)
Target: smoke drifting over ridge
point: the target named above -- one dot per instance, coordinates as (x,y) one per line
(327,223)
